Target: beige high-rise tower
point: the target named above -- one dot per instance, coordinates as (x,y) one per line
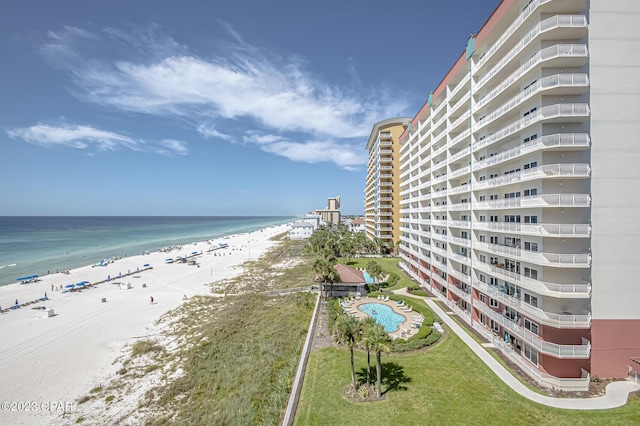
(382,190)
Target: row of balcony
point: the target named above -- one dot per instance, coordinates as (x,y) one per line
(558,21)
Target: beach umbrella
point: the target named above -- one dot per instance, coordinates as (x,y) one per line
(194,252)
(145,265)
(69,286)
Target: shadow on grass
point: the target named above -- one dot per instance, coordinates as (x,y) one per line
(393,377)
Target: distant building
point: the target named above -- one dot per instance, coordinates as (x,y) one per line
(357,225)
(301,230)
(331,214)
(315,220)
(382,188)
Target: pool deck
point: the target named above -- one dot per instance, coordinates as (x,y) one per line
(405,328)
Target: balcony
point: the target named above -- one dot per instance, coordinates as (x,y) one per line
(572,291)
(564,141)
(541,172)
(464,224)
(459,206)
(553,349)
(579,81)
(464,242)
(460,258)
(458,292)
(459,275)
(555,22)
(581,260)
(526,12)
(564,112)
(542,229)
(546,200)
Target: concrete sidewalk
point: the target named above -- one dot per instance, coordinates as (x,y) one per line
(616,394)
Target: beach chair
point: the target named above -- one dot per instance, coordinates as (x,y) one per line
(386,298)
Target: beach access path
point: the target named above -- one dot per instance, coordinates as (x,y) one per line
(46,363)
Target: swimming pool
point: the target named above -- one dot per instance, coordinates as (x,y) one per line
(368,278)
(383,315)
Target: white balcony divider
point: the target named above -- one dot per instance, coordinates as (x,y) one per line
(564,80)
(544,113)
(566,21)
(567,140)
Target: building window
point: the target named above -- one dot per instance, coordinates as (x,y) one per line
(493,303)
(531,326)
(530,246)
(483,319)
(531,300)
(482,238)
(483,218)
(495,326)
(531,219)
(528,192)
(531,273)
(531,165)
(531,354)
(483,298)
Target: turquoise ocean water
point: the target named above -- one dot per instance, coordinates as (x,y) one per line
(34,245)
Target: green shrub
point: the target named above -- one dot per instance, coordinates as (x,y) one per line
(415,343)
(333,309)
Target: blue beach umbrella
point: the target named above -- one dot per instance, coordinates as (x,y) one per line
(145,265)
(69,286)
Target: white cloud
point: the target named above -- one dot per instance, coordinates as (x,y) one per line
(88,137)
(73,136)
(210,132)
(278,95)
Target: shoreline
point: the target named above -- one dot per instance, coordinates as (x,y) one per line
(60,358)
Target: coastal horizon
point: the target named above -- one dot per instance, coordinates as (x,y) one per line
(41,245)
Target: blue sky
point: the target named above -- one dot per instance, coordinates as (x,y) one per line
(210,108)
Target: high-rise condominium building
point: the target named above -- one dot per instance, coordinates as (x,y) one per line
(382,188)
(518,177)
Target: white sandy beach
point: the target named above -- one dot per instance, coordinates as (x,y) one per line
(60,358)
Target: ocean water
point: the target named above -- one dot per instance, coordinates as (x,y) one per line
(35,245)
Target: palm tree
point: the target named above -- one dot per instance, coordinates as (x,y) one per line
(324,268)
(368,331)
(374,269)
(347,332)
(378,341)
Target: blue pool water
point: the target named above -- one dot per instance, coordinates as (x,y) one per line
(383,315)
(368,279)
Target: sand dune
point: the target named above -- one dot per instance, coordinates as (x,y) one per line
(46,364)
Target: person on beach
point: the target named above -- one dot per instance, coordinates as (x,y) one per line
(151,300)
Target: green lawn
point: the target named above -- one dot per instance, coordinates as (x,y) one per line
(442,385)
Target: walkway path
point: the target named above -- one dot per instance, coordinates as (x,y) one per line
(616,394)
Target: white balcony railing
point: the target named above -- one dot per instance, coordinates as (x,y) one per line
(526,12)
(544,113)
(559,140)
(552,52)
(579,291)
(546,200)
(553,81)
(542,229)
(557,21)
(545,171)
(544,259)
